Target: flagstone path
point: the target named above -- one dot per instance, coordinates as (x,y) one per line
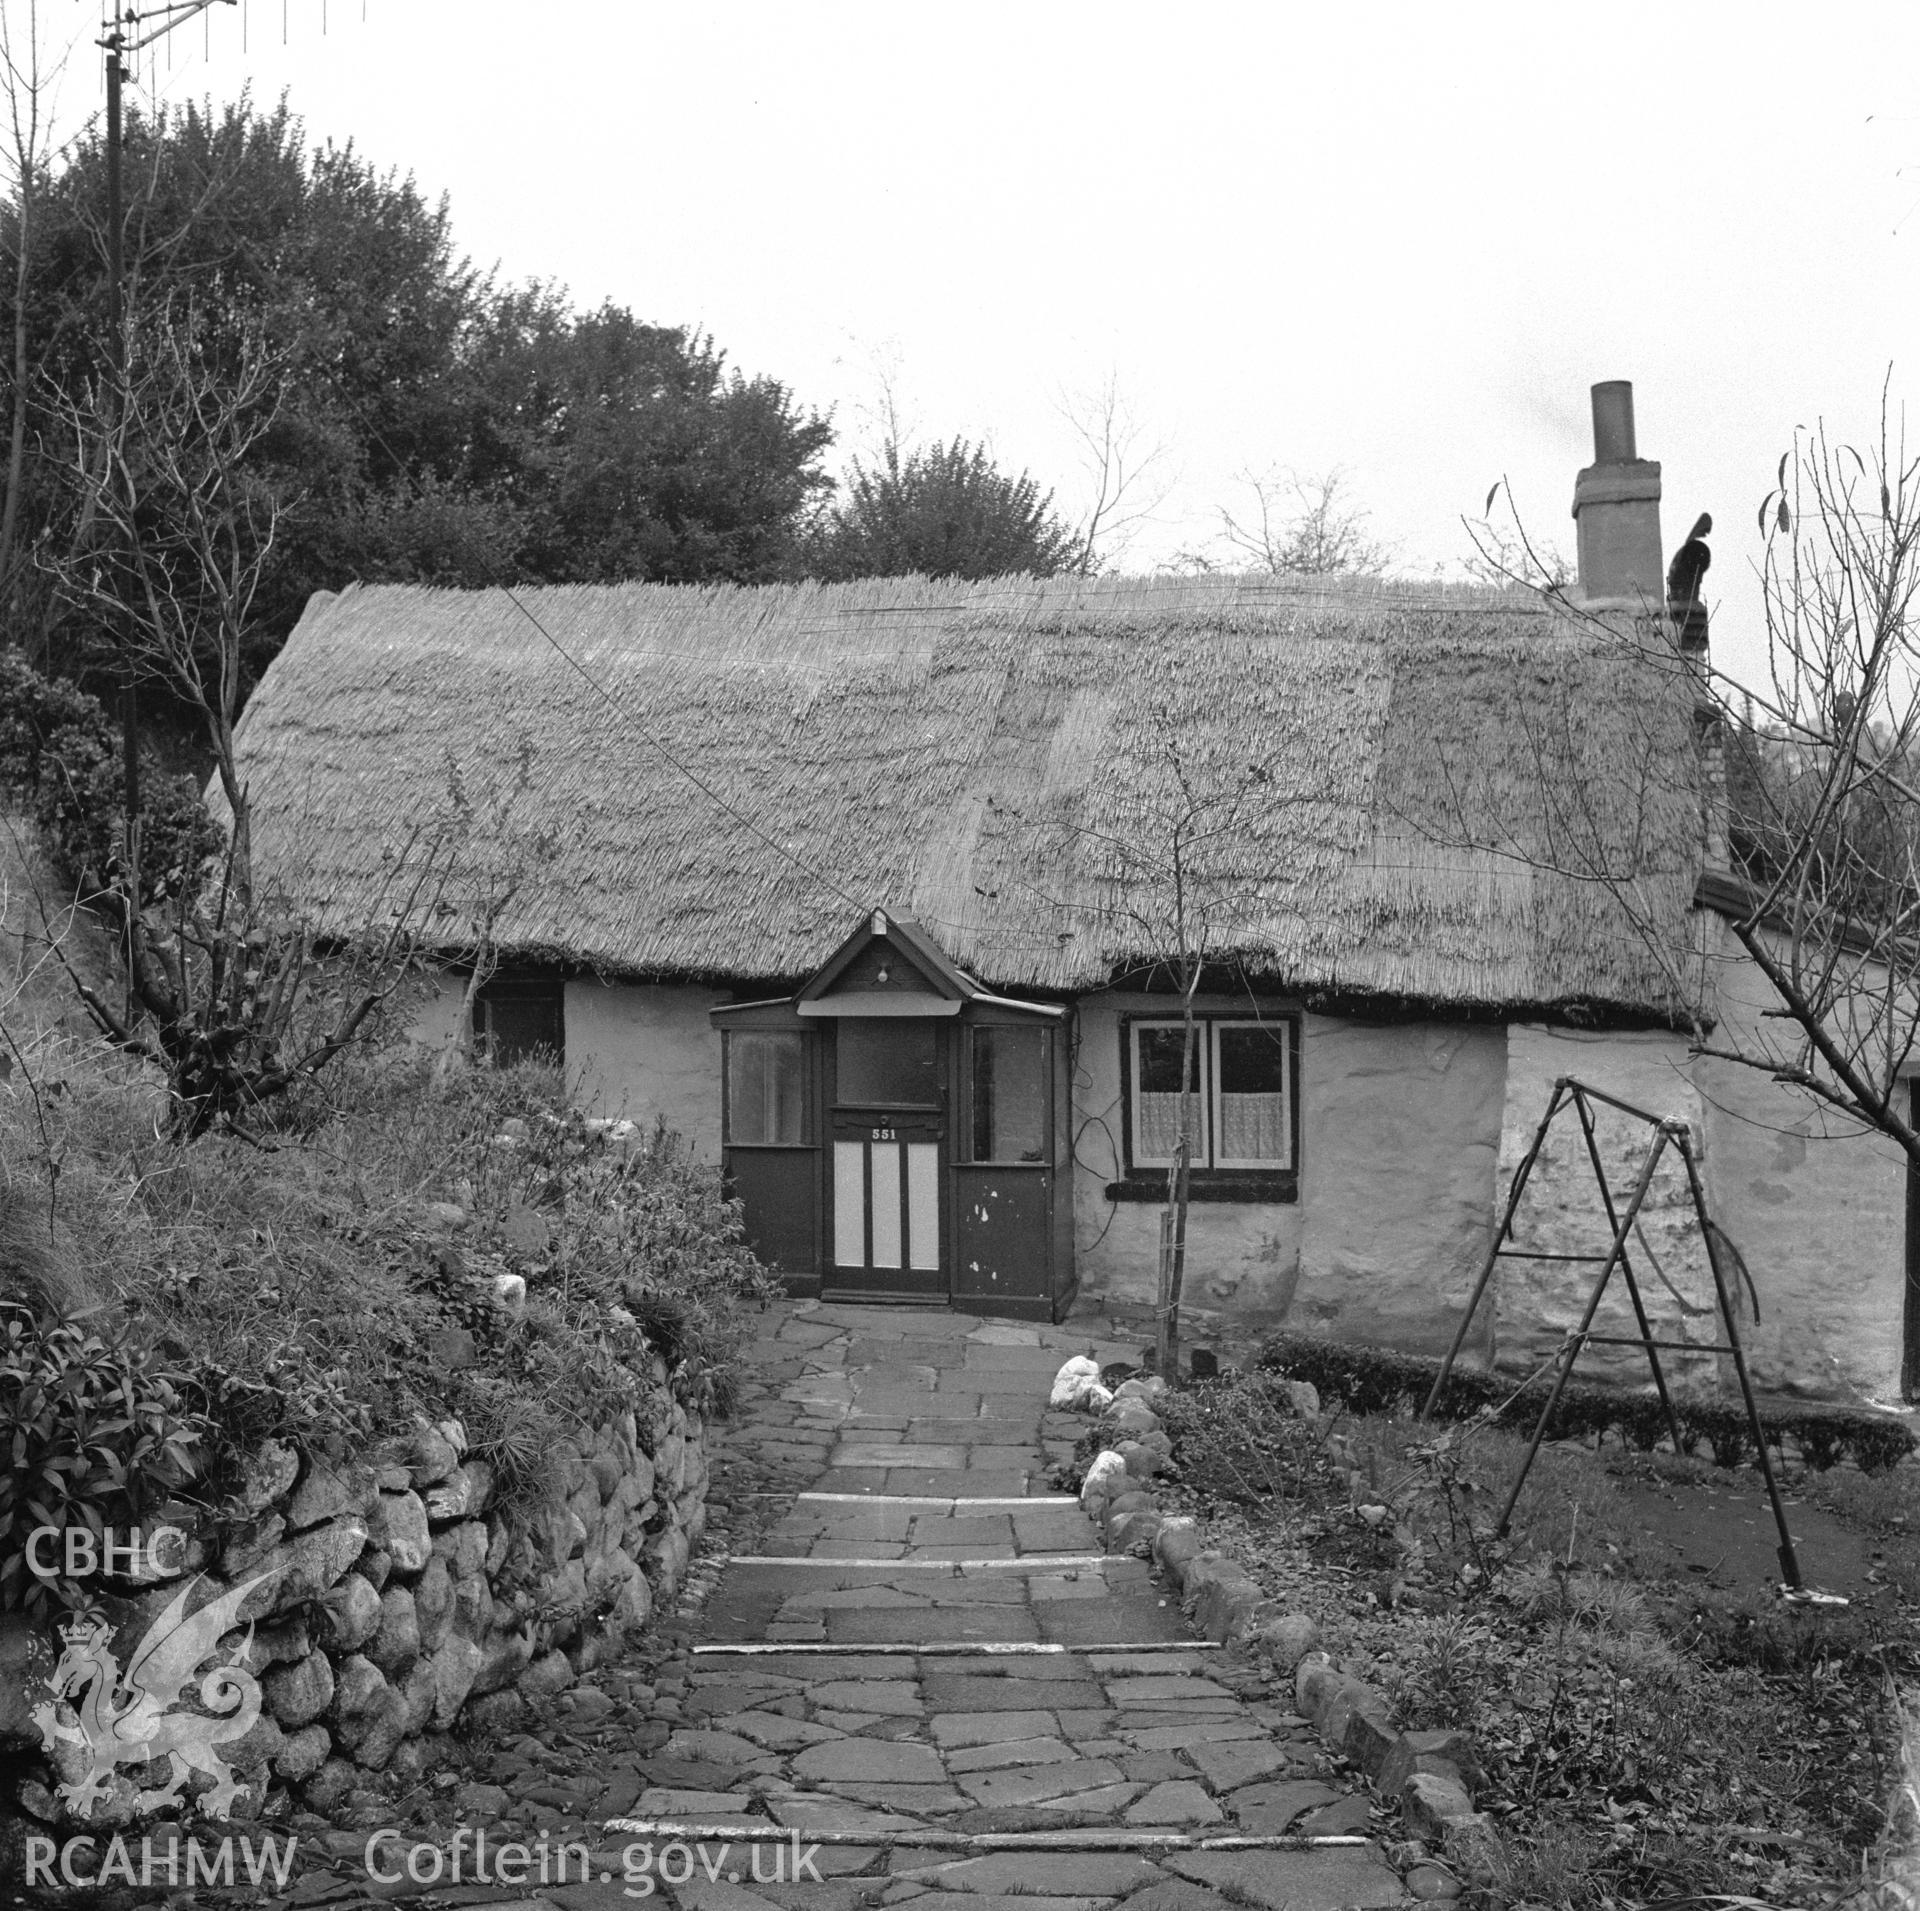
(906,1647)
(850,1680)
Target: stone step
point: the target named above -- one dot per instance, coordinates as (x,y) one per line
(947,1500)
(1020,1562)
(938,1838)
(979,1648)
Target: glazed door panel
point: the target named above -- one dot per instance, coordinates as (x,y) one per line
(886,1205)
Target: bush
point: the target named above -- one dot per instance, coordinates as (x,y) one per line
(1377,1380)
(1242,1438)
(95,1432)
(329,1287)
(62,754)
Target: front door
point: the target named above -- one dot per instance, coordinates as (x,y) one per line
(889,1131)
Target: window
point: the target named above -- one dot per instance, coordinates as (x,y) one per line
(888,1062)
(1240,1075)
(518,1018)
(1009,1094)
(766,1088)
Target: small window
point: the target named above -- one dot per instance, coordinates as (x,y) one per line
(1252,1119)
(888,1061)
(1157,1051)
(1009,1094)
(1238,1075)
(520,1018)
(766,1088)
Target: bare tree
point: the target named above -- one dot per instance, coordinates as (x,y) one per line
(1126,472)
(1503,552)
(489,856)
(1827,825)
(229,996)
(1804,791)
(1294,526)
(1184,869)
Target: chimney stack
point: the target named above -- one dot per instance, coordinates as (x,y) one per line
(1616,511)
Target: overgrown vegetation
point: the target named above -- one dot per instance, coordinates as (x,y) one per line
(1648,1737)
(60,758)
(362,1270)
(94,1430)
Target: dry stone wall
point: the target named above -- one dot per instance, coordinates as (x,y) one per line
(391,1602)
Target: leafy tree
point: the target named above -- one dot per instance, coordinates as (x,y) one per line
(630,450)
(432,426)
(348,275)
(945,511)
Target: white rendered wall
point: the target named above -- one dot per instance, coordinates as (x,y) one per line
(1242,1257)
(640,1050)
(646,1051)
(1561,1211)
(1400,1132)
(1816,1205)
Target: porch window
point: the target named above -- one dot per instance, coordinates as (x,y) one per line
(766,1088)
(520,1018)
(888,1063)
(1009,1094)
(1240,1075)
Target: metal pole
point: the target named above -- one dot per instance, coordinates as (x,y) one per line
(1519,1187)
(1626,1272)
(1572,1352)
(1789,1559)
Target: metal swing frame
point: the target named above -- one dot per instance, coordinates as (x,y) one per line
(1666,1133)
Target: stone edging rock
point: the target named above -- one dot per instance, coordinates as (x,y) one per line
(394,1600)
(1432,1776)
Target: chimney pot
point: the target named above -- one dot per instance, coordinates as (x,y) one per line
(1613,422)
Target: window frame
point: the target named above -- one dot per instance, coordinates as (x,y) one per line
(809,1078)
(971,1033)
(1209,1179)
(543,986)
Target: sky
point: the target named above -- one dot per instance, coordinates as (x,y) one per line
(1399,241)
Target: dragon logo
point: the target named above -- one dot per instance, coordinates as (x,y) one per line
(97,1718)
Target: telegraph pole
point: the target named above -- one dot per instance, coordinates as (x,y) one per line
(123,35)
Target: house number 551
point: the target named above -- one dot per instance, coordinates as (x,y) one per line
(884,1134)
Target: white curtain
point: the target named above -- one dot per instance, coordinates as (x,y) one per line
(1160,1127)
(1252,1127)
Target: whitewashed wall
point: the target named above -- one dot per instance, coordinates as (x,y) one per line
(633,1049)
(1400,1131)
(1399,1128)
(1561,1211)
(1816,1206)
(646,1051)
(1242,1257)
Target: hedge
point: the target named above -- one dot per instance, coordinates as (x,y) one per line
(1377,1379)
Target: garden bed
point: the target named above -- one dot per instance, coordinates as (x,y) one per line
(1655,1721)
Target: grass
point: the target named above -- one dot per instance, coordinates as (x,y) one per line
(1646,1739)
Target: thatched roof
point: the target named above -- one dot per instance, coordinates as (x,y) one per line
(1005,761)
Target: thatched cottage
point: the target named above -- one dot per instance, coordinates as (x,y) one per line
(886,895)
